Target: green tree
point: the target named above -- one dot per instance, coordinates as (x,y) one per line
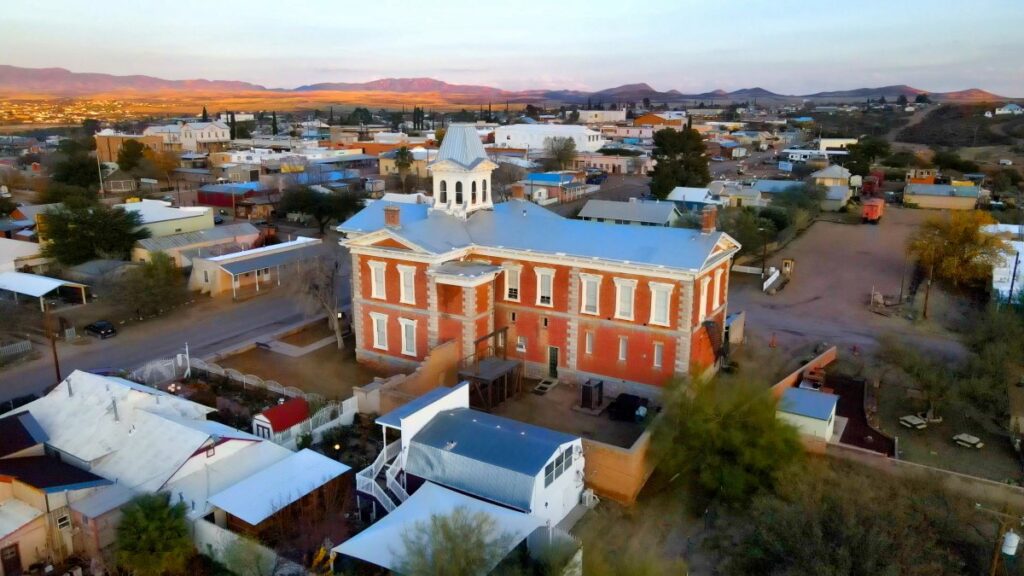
(846,521)
(78,234)
(70,196)
(7,206)
(902,100)
(273,122)
(922,99)
(461,543)
(76,169)
(560,152)
(153,537)
(130,154)
(862,155)
(724,438)
(439,136)
(955,249)
(152,287)
(205,116)
(321,207)
(403,162)
(748,228)
(681,161)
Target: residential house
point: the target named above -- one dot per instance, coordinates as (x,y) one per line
(941,196)
(1011,108)
(421,157)
(613,163)
(834,175)
(601,116)
(635,212)
(731,150)
(162,219)
(109,143)
(535,136)
(570,299)
(204,136)
(553,187)
(249,271)
(170,136)
(187,245)
(690,199)
(726,193)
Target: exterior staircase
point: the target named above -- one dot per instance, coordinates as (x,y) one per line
(383,480)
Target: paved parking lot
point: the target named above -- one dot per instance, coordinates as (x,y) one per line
(837,265)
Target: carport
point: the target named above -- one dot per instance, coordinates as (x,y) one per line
(35,286)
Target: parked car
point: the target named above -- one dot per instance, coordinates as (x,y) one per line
(101,329)
(218,219)
(717,159)
(1006,162)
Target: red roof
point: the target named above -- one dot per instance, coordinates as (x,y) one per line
(284,416)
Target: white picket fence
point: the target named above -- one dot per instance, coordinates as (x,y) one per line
(331,415)
(14,350)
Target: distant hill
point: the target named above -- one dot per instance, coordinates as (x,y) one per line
(58,81)
(61,82)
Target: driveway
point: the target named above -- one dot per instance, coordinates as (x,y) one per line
(836,267)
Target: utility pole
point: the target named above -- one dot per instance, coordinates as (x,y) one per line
(51,333)
(1013,277)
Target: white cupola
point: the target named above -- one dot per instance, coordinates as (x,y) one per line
(462,173)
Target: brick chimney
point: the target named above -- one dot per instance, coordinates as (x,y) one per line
(518,191)
(392,216)
(708,220)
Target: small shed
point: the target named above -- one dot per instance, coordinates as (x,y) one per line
(811,412)
(279,418)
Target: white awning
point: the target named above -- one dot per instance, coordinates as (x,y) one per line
(32,284)
(382,544)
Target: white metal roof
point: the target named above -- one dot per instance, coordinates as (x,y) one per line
(14,514)
(462,146)
(103,500)
(31,284)
(13,250)
(159,211)
(382,543)
(260,495)
(654,212)
(131,434)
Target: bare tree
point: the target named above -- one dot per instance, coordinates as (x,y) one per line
(560,152)
(317,283)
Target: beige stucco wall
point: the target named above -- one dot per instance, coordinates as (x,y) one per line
(618,473)
(201,221)
(941,202)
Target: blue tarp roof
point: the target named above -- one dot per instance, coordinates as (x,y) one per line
(485,455)
(809,403)
(234,188)
(549,178)
(394,418)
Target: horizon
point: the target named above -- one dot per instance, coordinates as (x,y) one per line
(465,43)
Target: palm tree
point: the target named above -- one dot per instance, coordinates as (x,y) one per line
(403,161)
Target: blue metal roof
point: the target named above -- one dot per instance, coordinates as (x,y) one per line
(809,403)
(522,225)
(549,178)
(394,418)
(776,186)
(234,188)
(485,455)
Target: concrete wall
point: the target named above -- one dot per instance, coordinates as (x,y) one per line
(439,368)
(810,426)
(793,379)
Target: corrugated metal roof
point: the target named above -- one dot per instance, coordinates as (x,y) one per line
(264,493)
(31,284)
(485,455)
(809,403)
(258,258)
(658,213)
(522,225)
(462,146)
(941,190)
(188,239)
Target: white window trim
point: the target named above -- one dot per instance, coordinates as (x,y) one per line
(540,273)
(408,348)
(519,282)
(377,342)
(404,296)
(585,279)
(378,291)
(623,348)
(666,289)
(619,284)
(588,342)
(521,344)
(716,299)
(703,298)
(658,354)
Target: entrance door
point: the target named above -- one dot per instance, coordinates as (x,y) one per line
(552,362)
(10,561)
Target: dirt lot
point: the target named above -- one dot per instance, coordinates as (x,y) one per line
(325,371)
(836,267)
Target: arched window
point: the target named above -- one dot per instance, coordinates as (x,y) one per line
(483,193)
(444,192)
(458,193)
(472,197)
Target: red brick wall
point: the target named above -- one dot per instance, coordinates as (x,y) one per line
(449,299)
(395,331)
(723,291)
(392,281)
(639,363)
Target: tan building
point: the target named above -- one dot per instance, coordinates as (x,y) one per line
(613,164)
(210,242)
(109,143)
(249,272)
(941,196)
(421,157)
(162,219)
(834,175)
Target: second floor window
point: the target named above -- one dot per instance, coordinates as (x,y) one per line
(624,292)
(512,284)
(407,284)
(377,286)
(660,298)
(545,286)
(591,285)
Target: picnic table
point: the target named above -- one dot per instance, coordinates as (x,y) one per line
(968,441)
